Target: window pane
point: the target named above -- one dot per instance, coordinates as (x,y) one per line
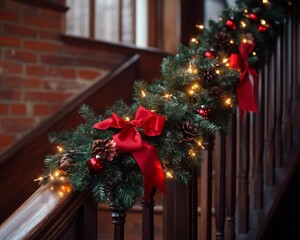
(106,25)
(127,22)
(77,18)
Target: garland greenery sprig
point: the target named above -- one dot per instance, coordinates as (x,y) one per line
(122,154)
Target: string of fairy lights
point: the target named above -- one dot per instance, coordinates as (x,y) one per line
(196,96)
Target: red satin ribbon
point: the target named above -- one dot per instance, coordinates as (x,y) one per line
(129,140)
(247,92)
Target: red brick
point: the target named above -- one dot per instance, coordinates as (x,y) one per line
(40,46)
(56,59)
(22,56)
(49,35)
(10,41)
(89,74)
(8,16)
(17,124)
(3,109)
(43,22)
(18,109)
(11,67)
(50,13)
(21,8)
(68,73)
(41,110)
(45,96)
(6,140)
(55,107)
(70,49)
(42,71)
(21,82)
(60,85)
(2,81)
(105,63)
(10,95)
(20,30)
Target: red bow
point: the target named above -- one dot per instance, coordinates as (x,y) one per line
(129,140)
(246,89)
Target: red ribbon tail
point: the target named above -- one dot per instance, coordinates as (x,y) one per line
(247,92)
(148,161)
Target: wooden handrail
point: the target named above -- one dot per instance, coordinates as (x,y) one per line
(149,72)
(22,163)
(50,213)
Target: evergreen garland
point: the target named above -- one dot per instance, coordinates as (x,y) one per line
(196,96)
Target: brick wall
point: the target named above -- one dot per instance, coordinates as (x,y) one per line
(38,72)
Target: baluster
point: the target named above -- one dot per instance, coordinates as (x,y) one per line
(220,185)
(269,122)
(118,219)
(206,190)
(169,211)
(148,217)
(193,207)
(287,126)
(87,220)
(243,174)
(278,104)
(231,179)
(180,209)
(257,167)
(295,75)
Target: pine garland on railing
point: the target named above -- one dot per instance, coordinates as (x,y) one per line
(124,153)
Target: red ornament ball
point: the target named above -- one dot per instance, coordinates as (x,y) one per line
(253,17)
(204,111)
(262,28)
(230,24)
(95,164)
(209,54)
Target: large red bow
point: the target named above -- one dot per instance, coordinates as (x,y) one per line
(129,140)
(247,86)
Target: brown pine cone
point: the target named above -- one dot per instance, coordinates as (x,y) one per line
(105,149)
(188,130)
(221,42)
(66,162)
(209,76)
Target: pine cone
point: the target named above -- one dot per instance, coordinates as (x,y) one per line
(209,77)
(188,129)
(221,42)
(106,149)
(66,162)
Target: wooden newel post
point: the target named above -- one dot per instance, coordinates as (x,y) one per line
(148,217)
(118,219)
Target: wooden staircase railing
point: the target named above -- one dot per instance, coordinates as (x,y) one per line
(23,163)
(54,211)
(245,171)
